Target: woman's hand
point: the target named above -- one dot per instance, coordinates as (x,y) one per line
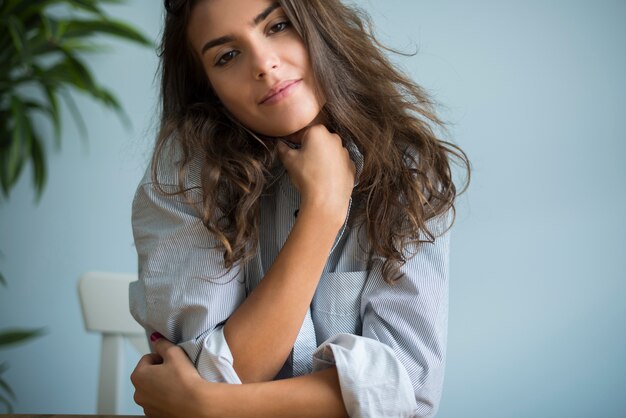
(167,384)
(321,170)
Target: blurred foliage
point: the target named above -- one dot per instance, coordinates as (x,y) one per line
(10,337)
(44,53)
(41,62)
(7,338)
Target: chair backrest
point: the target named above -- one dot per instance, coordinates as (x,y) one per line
(104,302)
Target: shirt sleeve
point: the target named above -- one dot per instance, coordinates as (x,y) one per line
(184,291)
(396,368)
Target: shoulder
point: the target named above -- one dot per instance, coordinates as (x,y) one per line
(166,170)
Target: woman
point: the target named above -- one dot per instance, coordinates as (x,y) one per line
(292,229)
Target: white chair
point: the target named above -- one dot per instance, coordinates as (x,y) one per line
(104,302)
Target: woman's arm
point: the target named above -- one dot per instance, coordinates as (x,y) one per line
(167,385)
(263,329)
(309,396)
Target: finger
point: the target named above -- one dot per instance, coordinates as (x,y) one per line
(281,146)
(160,344)
(144,363)
(284,151)
(166,350)
(150,360)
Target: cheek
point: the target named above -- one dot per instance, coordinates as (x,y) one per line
(238,100)
(231,93)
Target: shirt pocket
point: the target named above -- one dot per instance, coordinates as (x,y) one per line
(336,306)
(339,293)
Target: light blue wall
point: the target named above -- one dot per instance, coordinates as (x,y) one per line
(534,92)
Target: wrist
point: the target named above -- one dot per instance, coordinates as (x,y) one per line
(332,216)
(227,400)
(208,399)
(331,208)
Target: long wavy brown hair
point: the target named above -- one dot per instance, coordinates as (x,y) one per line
(406,178)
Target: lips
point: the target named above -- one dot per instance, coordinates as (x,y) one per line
(276,89)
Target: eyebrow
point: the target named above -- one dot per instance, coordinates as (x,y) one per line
(229,38)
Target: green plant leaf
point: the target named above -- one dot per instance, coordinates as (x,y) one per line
(32,105)
(7,404)
(83,28)
(6,388)
(73,71)
(16,30)
(86,5)
(50,94)
(34,150)
(91,6)
(27,9)
(83,46)
(18,35)
(78,118)
(20,140)
(52,28)
(45,38)
(38,165)
(18,7)
(14,336)
(5,141)
(4,178)
(7,5)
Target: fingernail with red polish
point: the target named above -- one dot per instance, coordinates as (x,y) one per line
(155,336)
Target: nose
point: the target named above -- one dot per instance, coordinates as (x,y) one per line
(265,59)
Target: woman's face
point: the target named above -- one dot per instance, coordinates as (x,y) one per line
(256,63)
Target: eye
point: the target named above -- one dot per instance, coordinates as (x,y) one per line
(226,58)
(279,27)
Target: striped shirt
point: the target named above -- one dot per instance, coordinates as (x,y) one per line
(387,342)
